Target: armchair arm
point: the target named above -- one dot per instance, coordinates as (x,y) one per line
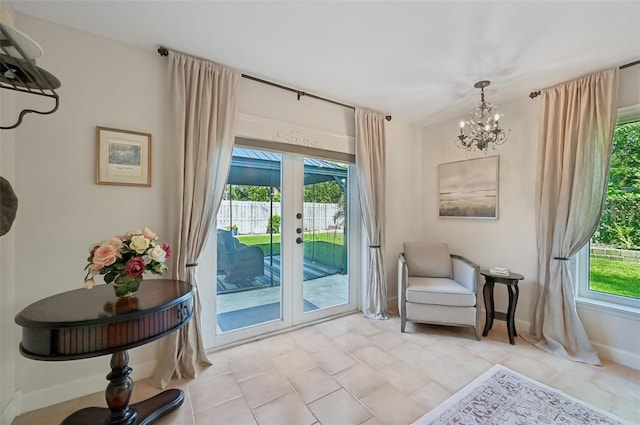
(465,272)
(403,277)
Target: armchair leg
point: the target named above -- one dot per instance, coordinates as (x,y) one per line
(403,322)
(478,332)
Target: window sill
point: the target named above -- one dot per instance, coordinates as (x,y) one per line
(609,308)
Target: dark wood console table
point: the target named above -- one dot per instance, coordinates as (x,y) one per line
(511,280)
(92,322)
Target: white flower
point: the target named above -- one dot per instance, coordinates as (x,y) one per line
(157,254)
(89,283)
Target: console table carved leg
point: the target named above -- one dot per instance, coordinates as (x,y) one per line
(118,394)
(488,305)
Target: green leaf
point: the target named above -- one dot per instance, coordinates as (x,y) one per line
(110,277)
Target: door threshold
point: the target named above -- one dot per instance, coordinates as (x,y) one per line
(279,332)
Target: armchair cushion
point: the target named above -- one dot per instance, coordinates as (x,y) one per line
(428,259)
(440,291)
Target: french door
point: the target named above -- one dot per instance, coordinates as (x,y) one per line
(286,243)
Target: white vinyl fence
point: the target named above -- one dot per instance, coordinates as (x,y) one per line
(253,217)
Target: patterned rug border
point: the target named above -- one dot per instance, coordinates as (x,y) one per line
(460,400)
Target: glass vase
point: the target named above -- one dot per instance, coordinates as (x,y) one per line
(125,286)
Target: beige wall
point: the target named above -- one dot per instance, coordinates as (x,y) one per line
(510,241)
(8,398)
(62,211)
(7,265)
(404,209)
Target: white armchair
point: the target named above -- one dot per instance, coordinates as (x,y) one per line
(437,287)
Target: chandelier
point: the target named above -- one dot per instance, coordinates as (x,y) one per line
(482,129)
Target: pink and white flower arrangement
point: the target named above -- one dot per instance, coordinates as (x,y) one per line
(123,260)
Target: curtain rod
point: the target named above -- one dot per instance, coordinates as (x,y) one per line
(163,51)
(535,94)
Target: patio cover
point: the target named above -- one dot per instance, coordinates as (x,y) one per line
(260,168)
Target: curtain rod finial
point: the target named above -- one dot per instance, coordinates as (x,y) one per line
(163,51)
(387,117)
(534,94)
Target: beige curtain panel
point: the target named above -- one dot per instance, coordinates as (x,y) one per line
(370,171)
(575,135)
(202,110)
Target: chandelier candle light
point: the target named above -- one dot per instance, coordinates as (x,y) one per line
(482,129)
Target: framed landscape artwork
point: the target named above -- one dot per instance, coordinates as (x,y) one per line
(123,157)
(469,189)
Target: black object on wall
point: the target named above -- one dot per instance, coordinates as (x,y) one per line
(8,206)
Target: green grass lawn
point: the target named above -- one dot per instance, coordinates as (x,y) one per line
(326,248)
(615,277)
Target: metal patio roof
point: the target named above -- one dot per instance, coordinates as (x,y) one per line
(262,168)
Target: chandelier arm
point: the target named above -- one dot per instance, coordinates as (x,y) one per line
(482,130)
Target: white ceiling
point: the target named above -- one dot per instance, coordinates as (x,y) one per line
(415,60)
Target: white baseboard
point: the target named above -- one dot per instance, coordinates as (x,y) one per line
(624,358)
(11,411)
(73,389)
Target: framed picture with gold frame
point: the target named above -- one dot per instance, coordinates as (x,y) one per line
(123,157)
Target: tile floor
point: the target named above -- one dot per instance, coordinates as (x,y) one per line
(353,370)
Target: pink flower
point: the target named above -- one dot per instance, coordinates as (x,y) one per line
(116,243)
(149,234)
(104,255)
(166,249)
(134,267)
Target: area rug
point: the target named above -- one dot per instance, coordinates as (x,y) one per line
(501,396)
(253,315)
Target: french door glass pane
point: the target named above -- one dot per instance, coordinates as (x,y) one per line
(325,271)
(248,242)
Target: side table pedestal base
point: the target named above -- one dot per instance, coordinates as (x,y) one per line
(148,411)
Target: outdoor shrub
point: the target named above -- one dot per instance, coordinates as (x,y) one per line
(620,221)
(273,225)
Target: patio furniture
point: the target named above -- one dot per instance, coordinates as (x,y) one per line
(237,261)
(437,287)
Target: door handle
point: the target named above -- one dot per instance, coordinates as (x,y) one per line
(299,241)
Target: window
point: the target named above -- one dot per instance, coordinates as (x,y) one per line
(609,266)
